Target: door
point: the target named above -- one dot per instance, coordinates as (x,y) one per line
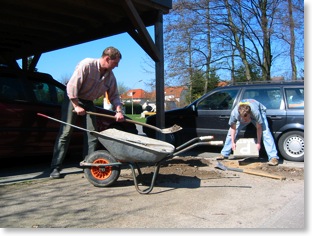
(272,99)
(213,113)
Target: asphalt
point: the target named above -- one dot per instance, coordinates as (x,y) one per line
(30,199)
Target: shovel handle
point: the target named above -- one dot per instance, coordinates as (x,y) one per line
(264,174)
(251,172)
(126,120)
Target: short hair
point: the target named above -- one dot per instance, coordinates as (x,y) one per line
(112,52)
(244,110)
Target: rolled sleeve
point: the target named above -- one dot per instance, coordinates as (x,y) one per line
(113,93)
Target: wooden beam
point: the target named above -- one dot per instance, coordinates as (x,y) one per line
(141,31)
(160,76)
(34,62)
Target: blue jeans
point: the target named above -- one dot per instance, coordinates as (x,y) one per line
(65,132)
(268,141)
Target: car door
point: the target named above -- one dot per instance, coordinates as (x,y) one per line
(294,96)
(213,112)
(13,104)
(46,101)
(49,97)
(272,98)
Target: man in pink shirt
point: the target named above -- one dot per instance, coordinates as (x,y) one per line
(90,80)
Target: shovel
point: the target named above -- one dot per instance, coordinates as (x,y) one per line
(169,130)
(223,167)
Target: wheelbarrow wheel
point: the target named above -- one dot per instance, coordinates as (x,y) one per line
(101,176)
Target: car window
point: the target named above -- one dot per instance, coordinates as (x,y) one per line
(47,93)
(295,98)
(221,100)
(11,89)
(42,92)
(270,97)
(60,95)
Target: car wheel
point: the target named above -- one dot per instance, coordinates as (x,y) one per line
(291,146)
(101,176)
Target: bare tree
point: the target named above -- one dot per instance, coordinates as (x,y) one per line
(238,35)
(179,35)
(205,36)
(292,40)
(65,78)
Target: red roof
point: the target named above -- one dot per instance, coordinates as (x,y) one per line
(137,94)
(174,91)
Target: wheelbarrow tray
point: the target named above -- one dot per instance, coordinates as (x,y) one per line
(127,147)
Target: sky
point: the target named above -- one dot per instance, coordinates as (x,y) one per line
(130,73)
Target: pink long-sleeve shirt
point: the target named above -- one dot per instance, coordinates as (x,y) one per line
(88,84)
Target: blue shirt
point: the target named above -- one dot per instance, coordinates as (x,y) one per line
(256,108)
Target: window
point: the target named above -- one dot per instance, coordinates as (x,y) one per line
(60,95)
(11,89)
(47,93)
(271,98)
(42,92)
(295,98)
(218,101)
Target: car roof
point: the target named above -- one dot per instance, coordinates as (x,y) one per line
(264,83)
(8,71)
(254,84)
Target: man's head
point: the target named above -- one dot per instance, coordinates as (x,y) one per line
(244,111)
(110,58)
(112,53)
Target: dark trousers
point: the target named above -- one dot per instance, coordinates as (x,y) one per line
(65,132)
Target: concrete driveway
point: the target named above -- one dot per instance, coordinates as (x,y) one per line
(230,200)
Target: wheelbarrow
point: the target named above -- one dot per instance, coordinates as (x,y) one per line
(102,167)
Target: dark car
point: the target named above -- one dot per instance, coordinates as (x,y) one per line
(209,115)
(25,134)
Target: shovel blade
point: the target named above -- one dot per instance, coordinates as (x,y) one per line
(172,129)
(220,166)
(223,167)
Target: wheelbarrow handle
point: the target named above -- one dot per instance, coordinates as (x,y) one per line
(204,138)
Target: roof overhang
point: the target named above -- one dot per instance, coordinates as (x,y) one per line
(30,28)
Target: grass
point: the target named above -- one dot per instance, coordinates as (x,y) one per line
(136,117)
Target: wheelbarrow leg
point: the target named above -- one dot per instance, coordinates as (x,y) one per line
(150,188)
(138,168)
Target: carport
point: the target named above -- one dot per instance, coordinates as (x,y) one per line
(30,28)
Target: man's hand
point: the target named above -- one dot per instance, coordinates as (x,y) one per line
(119,117)
(80,111)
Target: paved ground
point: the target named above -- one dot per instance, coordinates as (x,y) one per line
(221,199)
(189,193)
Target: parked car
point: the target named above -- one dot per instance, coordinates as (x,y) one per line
(209,115)
(22,132)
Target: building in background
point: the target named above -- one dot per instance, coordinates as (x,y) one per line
(175,97)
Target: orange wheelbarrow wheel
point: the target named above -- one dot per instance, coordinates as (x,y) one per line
(102,176)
